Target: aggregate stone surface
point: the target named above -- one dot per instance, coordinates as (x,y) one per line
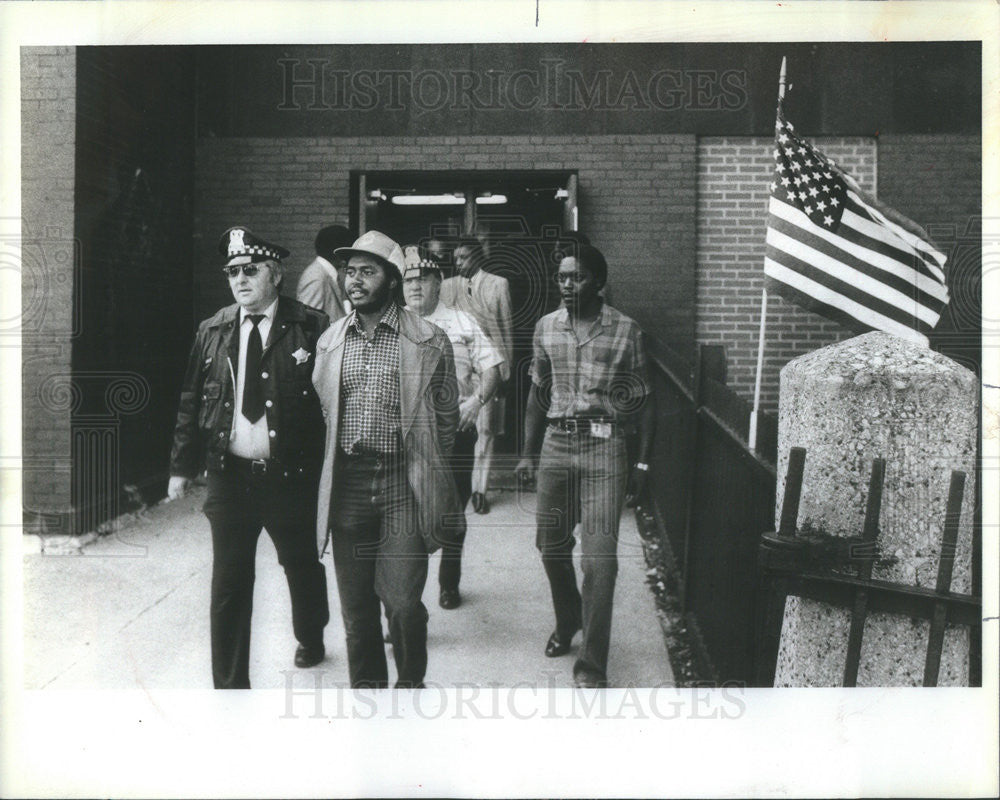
(875,396)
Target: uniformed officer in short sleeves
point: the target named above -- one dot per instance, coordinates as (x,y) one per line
(249,413)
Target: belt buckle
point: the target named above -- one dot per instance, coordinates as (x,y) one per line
(572,425)
(258,466)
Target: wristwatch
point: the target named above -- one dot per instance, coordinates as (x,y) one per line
(642,466)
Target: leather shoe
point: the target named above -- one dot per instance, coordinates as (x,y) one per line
(309,655)
(479,503)
(449,598)
(557,645)
(588,680)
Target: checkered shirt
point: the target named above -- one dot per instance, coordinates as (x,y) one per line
(369,387)
(603,375)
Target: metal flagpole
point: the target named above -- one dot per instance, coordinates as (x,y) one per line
(752,437)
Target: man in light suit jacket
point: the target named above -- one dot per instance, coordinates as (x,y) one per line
(386,381)
(486,297)
(319,285)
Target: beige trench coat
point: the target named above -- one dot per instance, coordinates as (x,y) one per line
(428,399)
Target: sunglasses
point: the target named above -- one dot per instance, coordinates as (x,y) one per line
(569,277)
(248,269)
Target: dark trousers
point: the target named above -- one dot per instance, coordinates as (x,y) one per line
(581,479)
(379,556)
(238,506)
(462,460)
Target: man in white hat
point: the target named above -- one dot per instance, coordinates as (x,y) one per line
(386,380)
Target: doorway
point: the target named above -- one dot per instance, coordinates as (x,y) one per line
(521,218)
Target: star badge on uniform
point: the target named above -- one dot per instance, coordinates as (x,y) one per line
(301,355)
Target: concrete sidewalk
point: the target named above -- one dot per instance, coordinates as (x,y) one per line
(130,610)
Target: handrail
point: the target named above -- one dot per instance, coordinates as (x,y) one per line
(682,386)
(738,441)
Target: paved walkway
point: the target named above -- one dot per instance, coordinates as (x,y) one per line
(131,610)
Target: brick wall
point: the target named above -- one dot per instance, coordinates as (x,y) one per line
(49,259)
(636,202)
(937,182)
(733,178)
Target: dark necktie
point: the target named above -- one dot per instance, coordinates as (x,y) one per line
(253,392)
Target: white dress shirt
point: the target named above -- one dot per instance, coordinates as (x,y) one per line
(250,439)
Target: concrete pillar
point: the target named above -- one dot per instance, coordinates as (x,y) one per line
(878,396)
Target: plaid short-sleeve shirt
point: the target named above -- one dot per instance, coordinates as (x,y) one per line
(369,387)
(603,374)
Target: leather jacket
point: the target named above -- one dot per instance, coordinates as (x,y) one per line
(294,417)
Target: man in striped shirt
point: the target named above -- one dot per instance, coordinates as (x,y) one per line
(590,385)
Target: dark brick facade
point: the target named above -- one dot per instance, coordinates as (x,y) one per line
(636,201)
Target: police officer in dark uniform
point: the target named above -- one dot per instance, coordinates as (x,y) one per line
(249,413)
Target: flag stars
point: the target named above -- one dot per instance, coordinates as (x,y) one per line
(821,205)
(813,191)
(828,220)
(785,181)
(807,209)
(834,201)
(783,138)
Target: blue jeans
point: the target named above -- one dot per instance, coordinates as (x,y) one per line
(379,556)
(582,479)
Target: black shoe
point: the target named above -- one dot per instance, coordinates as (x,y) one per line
(589,680)
(558,645)
(309,655)
(480,504)
(449,598)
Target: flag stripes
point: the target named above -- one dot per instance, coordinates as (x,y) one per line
(805,293)
(835,250)
(851,261)
(867,221)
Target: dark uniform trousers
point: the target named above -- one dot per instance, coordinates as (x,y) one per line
(240,503)
(379,556)
(463,459)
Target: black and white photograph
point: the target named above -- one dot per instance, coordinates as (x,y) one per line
(513,399)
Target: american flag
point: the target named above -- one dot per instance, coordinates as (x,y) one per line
(837,251)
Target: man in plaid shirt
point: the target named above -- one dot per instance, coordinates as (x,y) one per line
(590,385)
(386,382)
